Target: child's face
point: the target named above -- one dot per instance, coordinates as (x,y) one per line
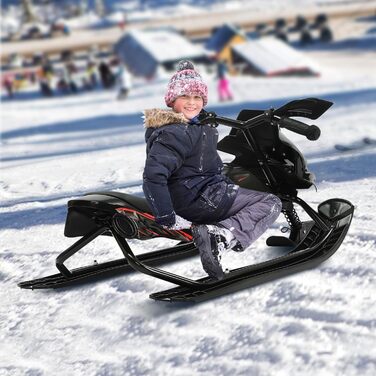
(189,105)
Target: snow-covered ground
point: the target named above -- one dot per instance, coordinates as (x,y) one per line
(320,322)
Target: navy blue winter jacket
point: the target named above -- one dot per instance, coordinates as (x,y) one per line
(183,171)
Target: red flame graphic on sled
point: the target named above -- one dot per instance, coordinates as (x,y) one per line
(147,228)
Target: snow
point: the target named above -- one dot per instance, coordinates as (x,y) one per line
(319,322)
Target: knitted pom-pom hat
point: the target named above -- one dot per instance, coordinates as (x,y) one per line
(185,81)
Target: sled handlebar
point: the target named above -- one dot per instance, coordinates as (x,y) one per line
(213,118)
(312,132)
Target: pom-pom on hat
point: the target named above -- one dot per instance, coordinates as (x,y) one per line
(184,82)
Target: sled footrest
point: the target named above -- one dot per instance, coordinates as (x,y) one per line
(279,241)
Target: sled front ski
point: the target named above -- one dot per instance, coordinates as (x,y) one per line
(312,251)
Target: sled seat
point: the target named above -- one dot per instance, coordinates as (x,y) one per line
(83,212)
(108,200)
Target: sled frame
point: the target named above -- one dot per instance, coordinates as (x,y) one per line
(137,263)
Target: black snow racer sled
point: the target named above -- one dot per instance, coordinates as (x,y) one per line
(265,160)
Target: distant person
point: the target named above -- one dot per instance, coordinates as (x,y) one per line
(92,54)
(32,78)
(47,66)
(8,84)
(306,37)
(224,92)
(44,84)
(122,22)
(106,75)
(15,61)
(72,71)
(124,80)
(19,81)
(62,83)
(91,74)
(85,84)
(326,34)
(66,29)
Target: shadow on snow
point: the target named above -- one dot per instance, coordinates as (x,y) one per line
(345,168)
(127,122)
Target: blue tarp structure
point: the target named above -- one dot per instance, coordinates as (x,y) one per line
(221,37)
(137,58)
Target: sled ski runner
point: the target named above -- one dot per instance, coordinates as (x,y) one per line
(110,269)
(318,246)
(265,160)
(102,213)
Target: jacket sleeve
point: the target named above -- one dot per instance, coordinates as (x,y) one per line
(167,152)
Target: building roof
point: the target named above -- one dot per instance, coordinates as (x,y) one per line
(271,56)
(143,51)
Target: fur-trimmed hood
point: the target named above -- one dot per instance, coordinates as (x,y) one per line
(156,117)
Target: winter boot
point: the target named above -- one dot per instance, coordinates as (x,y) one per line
(212,242)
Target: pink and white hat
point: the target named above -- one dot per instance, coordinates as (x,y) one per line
(184,82)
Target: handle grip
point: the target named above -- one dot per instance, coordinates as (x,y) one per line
(312,132)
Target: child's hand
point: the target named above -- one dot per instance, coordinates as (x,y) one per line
(180,223)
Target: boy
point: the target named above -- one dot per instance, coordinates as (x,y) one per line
(183,181)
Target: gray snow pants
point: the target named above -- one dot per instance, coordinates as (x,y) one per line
(251,214)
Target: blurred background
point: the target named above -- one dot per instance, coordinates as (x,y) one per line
(60,47)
